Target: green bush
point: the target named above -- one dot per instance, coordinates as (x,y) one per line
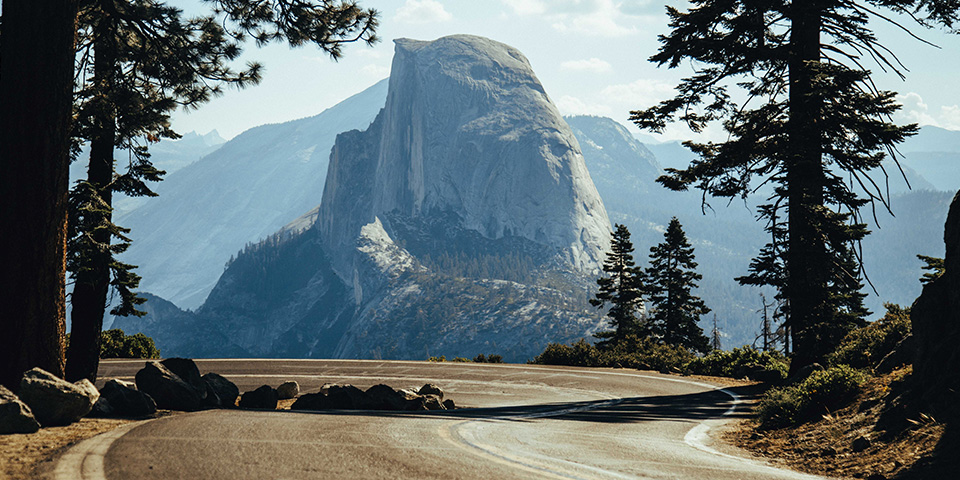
(740,362)
(820,393)
(865,347)
(633,352)
(580,354)
(461,360)
(441,358)
(115,344)
(492,358)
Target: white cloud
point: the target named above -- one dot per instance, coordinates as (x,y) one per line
(569,105)
(590,65)
(916,110)
(950,117)
(422,11)
(527,7)
(374,70)
(641,93)
(596,18)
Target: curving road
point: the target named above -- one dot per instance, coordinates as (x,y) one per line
(523,421)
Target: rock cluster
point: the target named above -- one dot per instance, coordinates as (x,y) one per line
(176,384)
(377,397)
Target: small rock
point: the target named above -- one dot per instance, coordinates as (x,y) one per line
(167,388)
(860,444)
(433,402)
(449,405)
(15,416)
(431,389)
(187,370)
(225,390)
(126,401)
(288,390)
(263,397)
(828,452)
(55,401)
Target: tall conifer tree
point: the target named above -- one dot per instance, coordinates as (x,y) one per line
(139,60)
(621,288)
(36,74)
(674,310)
(812,123)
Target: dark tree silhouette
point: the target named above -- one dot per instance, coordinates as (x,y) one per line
(813,124)
(674,310)
(621,288)
(36,75)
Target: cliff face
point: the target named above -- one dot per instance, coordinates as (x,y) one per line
(936,320)
(467,132)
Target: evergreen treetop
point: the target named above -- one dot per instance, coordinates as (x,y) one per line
(622,288)
(674,310)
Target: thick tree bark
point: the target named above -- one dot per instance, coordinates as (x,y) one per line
(807,261)
(36,84)
(89,298)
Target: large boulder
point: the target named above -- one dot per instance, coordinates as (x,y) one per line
(349,397)
(168,390)
(312,401)
(384,397)
(431,389)
(55,401)
(936,322)
(221,392)
(122,399)
(288,390)
(263,397)
(15,416)
(187,370)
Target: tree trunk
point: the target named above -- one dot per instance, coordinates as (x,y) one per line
(36,85)
(89,298)
(807,261)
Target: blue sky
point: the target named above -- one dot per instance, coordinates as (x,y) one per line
(590,55)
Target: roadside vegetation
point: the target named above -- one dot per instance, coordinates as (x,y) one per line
(116,344)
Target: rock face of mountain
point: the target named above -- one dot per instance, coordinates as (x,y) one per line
(462,221)
(243,192)
(467,131)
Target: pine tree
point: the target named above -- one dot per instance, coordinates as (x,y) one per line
(715,335)
(36,74)
(812,119)
(621,288)
(138,61)
(674,310)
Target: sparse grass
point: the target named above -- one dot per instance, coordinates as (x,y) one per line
(819,394)
(824,445)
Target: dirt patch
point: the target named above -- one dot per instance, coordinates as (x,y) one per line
(849,443)
(22,455)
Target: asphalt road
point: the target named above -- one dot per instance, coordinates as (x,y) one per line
(521,422)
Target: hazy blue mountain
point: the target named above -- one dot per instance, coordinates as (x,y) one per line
(245,191)
(167,155)
(461,221)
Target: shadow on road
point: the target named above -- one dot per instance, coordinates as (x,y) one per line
(698,406)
